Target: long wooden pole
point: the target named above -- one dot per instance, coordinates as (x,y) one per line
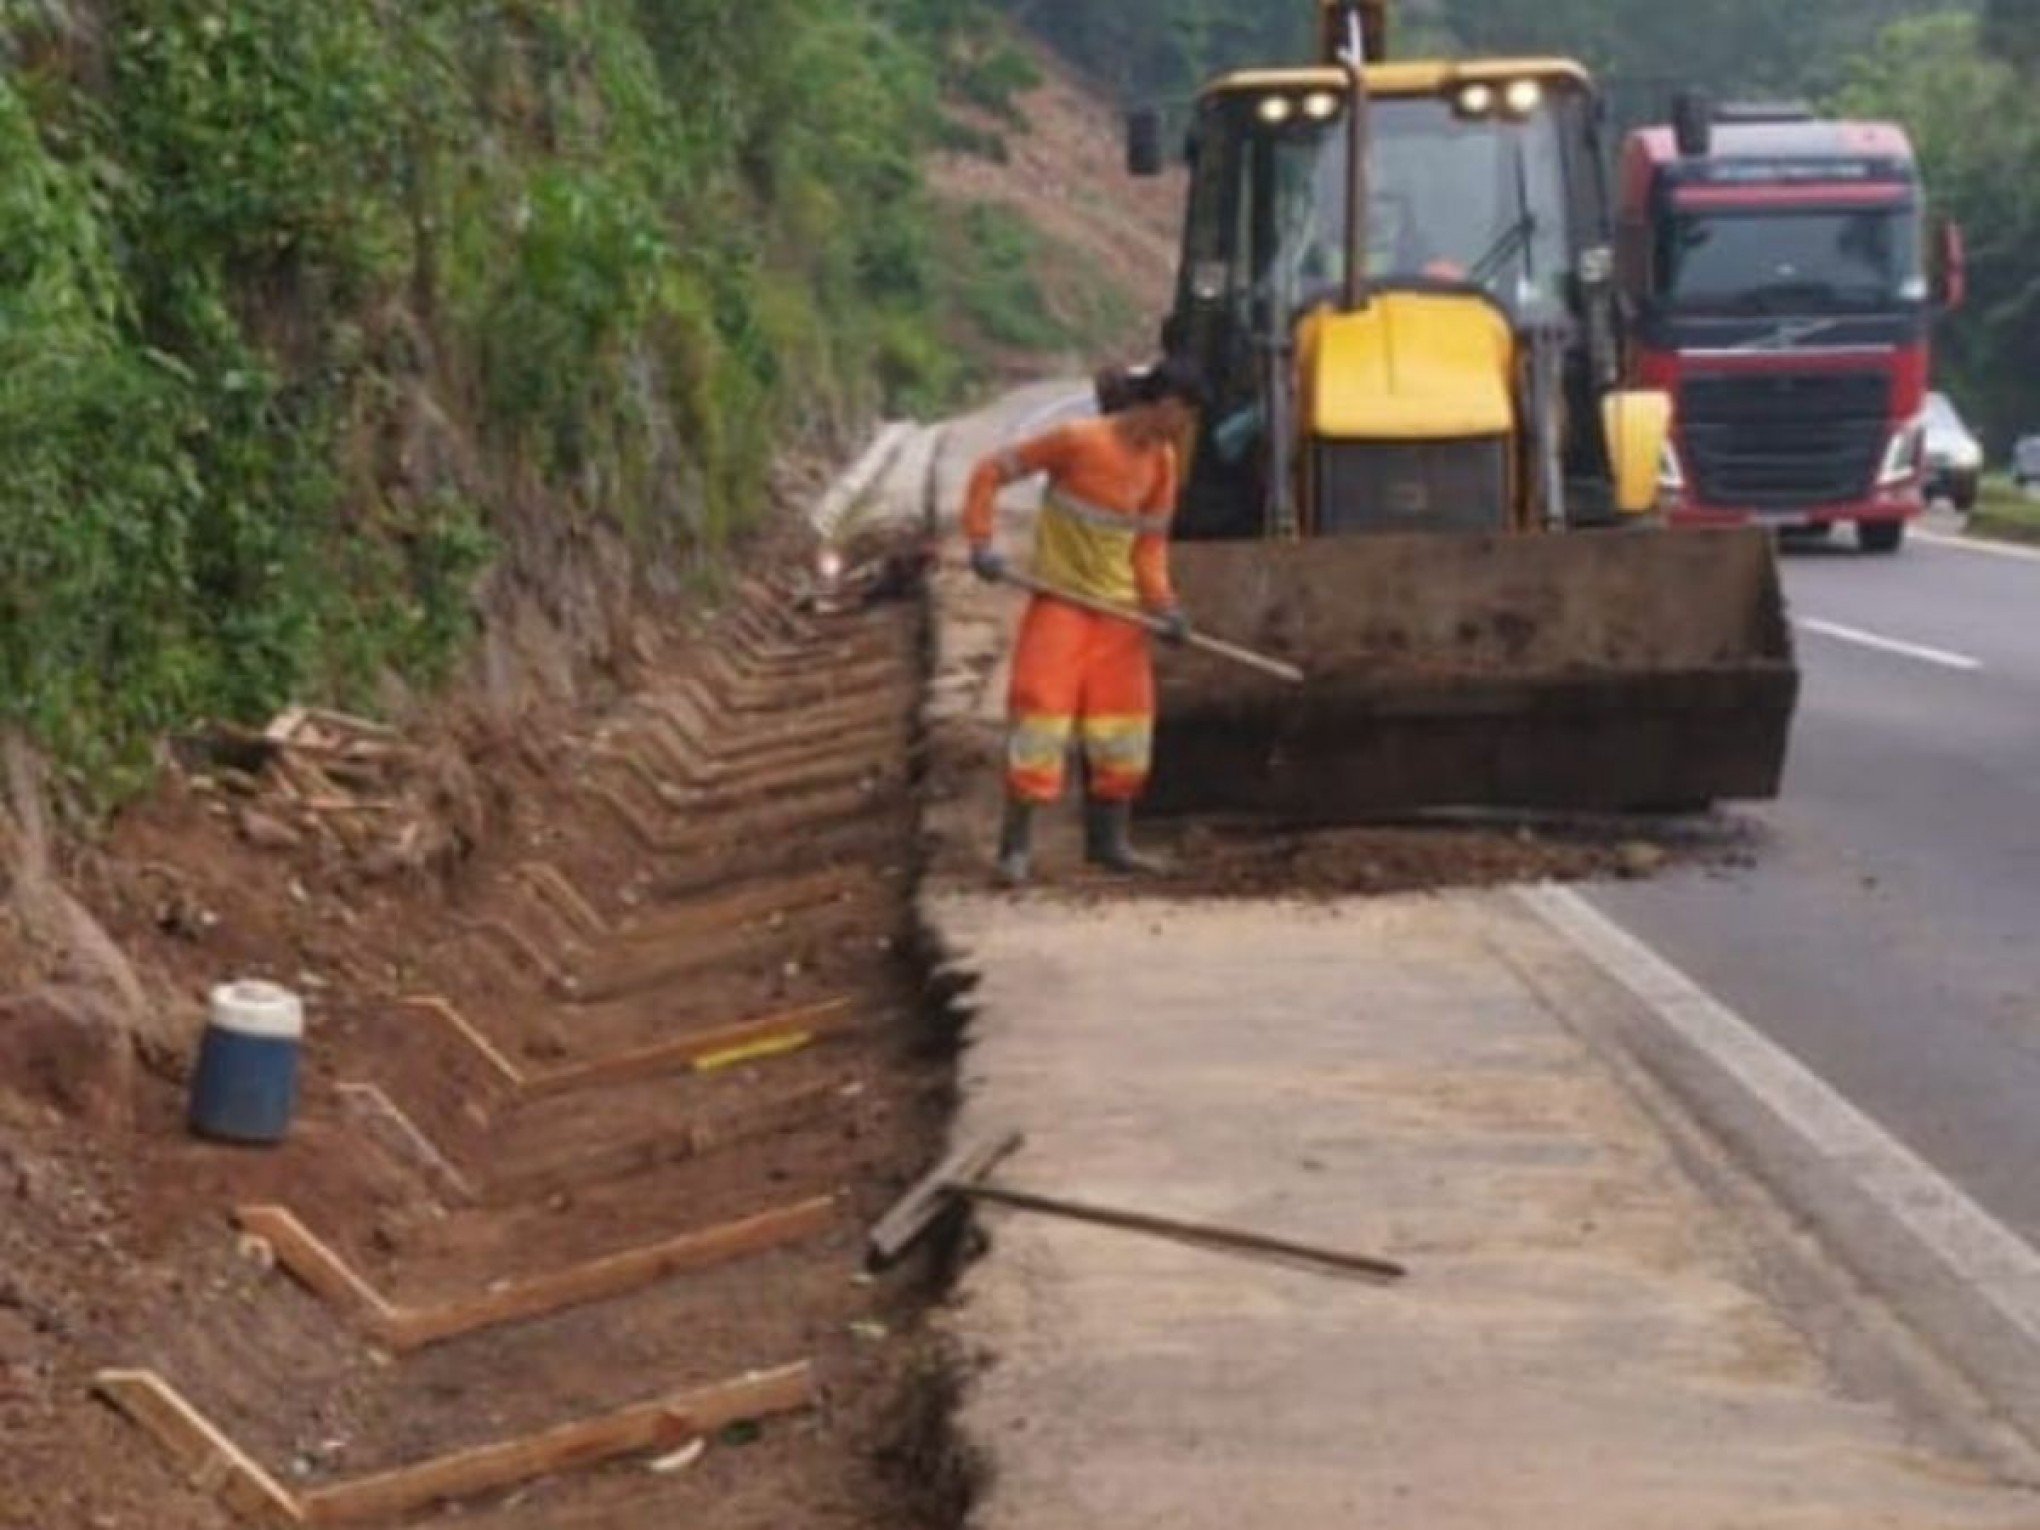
(1218,647)
(1227,1238)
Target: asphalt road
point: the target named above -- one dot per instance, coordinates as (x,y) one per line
(1889,933)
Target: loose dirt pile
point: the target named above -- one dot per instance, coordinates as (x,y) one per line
(1206,857)
(1221,859)
(658,984)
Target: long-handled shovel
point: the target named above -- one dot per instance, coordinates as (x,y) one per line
(1231,652)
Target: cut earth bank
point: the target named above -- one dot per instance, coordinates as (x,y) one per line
(1609,1322)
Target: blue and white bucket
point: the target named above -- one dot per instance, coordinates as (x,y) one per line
(245,1087)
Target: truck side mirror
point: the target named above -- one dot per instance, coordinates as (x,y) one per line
(1693,123)
(1951,266)
(1144,156)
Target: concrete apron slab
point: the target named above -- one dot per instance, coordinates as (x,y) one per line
(1585,1341)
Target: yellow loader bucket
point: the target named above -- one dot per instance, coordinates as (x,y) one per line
(1591,671)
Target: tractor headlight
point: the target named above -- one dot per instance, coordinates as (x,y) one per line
(1906,455)
(1276,110)
(1522,97)
(1477,100)
(1321,106)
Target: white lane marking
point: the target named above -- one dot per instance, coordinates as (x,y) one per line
(1988,1257)
(1050,413)
(1983,545)
(1858,636)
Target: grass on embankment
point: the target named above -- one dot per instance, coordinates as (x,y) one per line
(2005,513)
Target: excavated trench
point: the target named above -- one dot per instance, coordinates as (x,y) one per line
(600,1150)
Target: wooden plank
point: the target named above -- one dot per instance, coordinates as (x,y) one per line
(550,883)
(488,1468)
(759,1120)
(403,1139)
(347,722)
(321,1270)
(284,726)
(213,1462)
(749,905)
(469,1034)
(918,1209)
(516,942)
(790,1029)
(612,1276)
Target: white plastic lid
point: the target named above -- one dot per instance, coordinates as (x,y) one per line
(258,1009)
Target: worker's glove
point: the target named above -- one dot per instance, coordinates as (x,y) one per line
(1175,626)
(988,563)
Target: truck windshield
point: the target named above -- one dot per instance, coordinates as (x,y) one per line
(1824,261)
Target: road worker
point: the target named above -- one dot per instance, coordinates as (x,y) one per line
(1080,677)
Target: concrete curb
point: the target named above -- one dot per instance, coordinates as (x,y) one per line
(1966,1283)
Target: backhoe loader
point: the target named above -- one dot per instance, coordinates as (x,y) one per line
(1420,479)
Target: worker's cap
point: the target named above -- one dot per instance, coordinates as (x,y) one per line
(1177,377)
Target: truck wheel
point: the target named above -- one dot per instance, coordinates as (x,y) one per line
(1965,495)
(1880,536)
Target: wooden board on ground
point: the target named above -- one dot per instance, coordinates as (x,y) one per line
(769,1036)
(215,1463)
(219,1466)
(320,1269)
(649,1426)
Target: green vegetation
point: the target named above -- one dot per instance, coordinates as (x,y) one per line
(297,297)
(1976,118)
(2006,513)
(1163,47)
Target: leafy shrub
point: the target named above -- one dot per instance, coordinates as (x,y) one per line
(623,248)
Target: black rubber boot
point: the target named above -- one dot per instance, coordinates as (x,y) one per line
(1108,841)
(1016,844)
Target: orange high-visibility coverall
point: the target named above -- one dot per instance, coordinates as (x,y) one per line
(1103,532)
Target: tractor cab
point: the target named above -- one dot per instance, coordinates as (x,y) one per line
(1483,193)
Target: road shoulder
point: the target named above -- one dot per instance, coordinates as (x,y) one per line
(1587,1337)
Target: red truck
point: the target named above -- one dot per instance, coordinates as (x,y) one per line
(1778,269)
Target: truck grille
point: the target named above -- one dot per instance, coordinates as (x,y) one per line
(1367,486)
(1785,441)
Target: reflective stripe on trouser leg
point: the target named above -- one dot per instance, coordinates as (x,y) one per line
(1048,669)
(1119,752)
(1037,756)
